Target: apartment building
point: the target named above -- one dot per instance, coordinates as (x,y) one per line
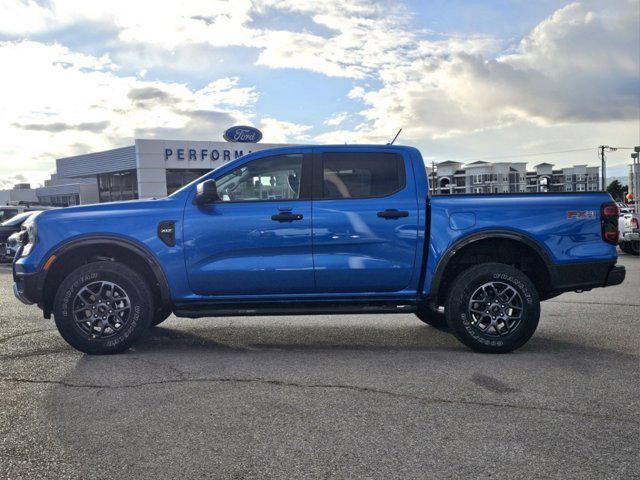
(510,177)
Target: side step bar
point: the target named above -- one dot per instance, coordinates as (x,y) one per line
(297,308)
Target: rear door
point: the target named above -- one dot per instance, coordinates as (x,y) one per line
(365,221)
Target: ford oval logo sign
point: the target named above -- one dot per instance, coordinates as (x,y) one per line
(243,134)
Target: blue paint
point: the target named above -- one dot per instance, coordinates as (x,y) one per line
(341,248)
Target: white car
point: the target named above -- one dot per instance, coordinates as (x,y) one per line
(629,240)
(624,208)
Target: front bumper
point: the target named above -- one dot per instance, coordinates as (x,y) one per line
(27,287)
(19,293)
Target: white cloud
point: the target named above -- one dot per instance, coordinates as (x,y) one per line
(56,100)
(336,119)
(359,43)
(278,131)
(568,83)
(579,66)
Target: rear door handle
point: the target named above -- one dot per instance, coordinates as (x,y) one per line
(286,217)
(393,213)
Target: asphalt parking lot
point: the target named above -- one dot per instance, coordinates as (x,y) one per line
(327,397)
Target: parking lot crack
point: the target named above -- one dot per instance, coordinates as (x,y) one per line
(359,389)
(22,334)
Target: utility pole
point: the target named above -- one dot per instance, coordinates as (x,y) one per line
(433,177)
(603,166)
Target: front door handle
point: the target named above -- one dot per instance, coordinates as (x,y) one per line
(393,213)
(286,217)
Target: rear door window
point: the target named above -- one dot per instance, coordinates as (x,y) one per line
(361,174)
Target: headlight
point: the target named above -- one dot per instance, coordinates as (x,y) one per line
(28,236)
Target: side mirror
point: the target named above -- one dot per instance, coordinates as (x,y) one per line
(206,193)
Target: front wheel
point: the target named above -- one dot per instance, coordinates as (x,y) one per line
(102,308)
(493,308)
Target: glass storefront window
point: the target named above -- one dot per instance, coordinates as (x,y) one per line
(118,186)
(178,178)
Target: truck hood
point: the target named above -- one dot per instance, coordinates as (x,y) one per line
(102,210)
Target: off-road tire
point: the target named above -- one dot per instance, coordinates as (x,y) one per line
(461,321)
(139,313)
(432,317)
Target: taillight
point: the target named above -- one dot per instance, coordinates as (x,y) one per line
(634,223)
(609,222)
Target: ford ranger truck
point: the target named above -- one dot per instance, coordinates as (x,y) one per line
(316,230)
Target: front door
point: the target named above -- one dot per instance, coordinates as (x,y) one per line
(257,239)
(365,221)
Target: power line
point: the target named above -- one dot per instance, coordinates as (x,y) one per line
(531,154)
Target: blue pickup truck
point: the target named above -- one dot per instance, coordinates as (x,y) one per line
(316,229)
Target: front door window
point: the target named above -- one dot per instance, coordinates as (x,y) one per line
(272,178)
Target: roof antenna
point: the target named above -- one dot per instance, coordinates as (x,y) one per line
(394,138)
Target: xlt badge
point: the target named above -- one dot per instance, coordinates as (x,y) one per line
(167,232)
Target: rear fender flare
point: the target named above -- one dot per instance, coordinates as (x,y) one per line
(484,235)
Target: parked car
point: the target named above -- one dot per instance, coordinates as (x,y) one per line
(628,224)
(7,228)
(624,208)
(9,211)
(316,230)
(11,246)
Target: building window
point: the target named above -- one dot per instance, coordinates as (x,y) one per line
(568,178)
(580,187)
(580,178)
(568,187)
(118,186)
(476,178)
(178,178)
(477,190)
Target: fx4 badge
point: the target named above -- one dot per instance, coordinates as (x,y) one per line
(581,214)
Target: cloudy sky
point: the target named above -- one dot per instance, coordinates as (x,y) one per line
(465,80)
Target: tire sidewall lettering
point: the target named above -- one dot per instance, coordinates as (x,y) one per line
(73,288)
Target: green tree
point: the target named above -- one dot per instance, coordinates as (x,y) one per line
(616,190)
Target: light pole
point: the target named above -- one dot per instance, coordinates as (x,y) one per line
(635,170)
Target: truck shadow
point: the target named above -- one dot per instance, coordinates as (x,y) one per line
(294,337)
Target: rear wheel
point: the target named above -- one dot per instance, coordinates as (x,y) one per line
(493,308)
(634,248)
(102,308)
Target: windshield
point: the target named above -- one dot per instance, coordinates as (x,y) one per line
(17,220)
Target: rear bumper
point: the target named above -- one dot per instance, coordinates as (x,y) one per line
(585,276)
(616,276)
(633,236)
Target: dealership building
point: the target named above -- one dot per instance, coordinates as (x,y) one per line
(146,169)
